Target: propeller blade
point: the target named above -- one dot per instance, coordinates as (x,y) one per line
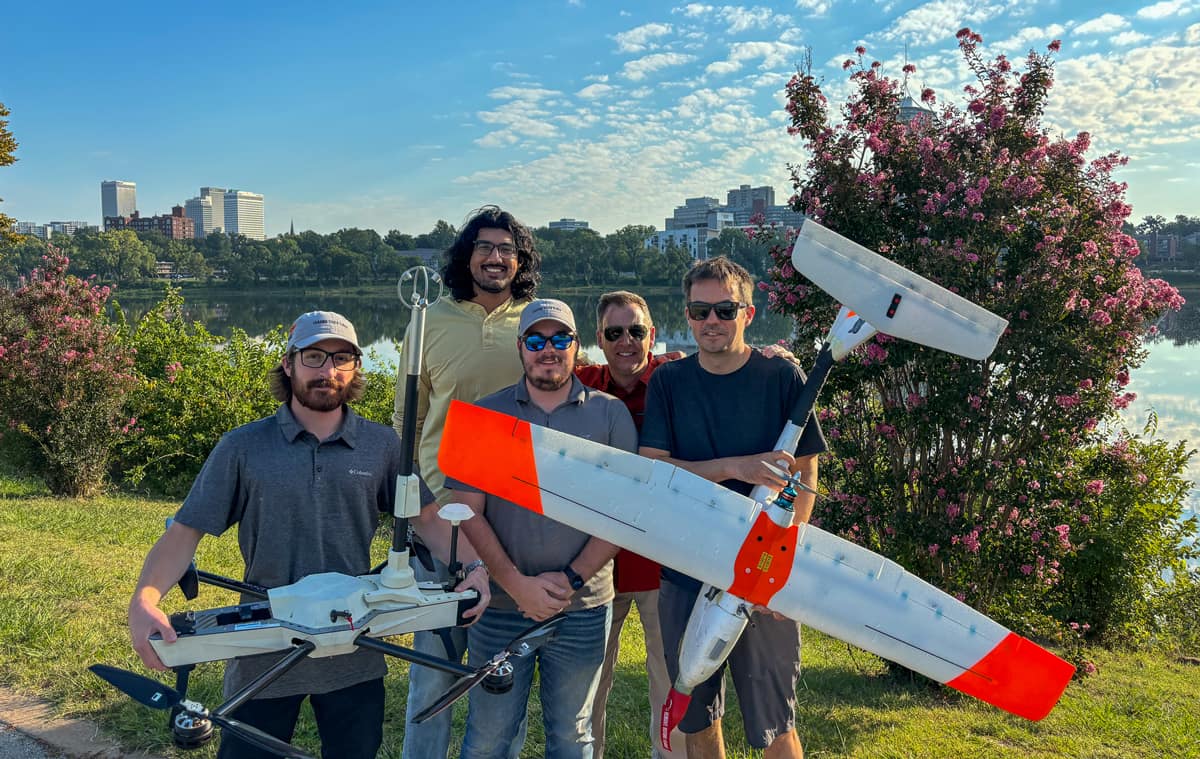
(525,643)
(138,687)
(459,689)
(258,738)
(536,635)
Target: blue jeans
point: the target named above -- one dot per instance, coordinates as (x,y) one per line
(430,739)
(569,671)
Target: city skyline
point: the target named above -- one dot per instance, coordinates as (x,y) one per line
(382,119)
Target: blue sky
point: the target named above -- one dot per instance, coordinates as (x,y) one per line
(392,116)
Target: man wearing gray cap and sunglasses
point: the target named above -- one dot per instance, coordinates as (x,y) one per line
(306,487)
(540,567)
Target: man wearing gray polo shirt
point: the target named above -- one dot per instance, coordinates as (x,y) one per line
(306,487)
(541,567)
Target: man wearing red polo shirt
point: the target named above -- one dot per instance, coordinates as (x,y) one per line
(626,334)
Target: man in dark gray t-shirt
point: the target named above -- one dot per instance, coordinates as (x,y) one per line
(718,414)
(305,487)
(541,567)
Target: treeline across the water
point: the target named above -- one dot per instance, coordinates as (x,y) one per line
(350,257)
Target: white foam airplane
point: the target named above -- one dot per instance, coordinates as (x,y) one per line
(746,549)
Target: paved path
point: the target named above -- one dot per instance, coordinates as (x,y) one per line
(29,729)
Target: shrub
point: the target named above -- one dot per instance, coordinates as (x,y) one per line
(64,377)
(978,474)
(192,387)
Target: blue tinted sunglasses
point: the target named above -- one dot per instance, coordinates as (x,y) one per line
(535,342)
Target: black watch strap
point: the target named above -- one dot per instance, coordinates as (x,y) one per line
(573,577)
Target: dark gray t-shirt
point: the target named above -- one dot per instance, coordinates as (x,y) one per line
(302,506)
(536,543)
(697,415)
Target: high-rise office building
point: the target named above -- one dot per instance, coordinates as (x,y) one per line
(244,214)
(217,196)
(118,198)
(200,211)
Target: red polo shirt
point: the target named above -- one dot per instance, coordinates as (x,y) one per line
(631,573)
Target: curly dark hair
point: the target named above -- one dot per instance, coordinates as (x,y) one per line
(456,268)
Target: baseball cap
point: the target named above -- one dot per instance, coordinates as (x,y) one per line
(546,308)
(315,326)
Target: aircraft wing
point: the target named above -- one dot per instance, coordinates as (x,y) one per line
(717,536)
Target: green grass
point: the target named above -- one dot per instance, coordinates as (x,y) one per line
(67,568)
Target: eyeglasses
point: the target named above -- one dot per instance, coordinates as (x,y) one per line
(636,331)
(315,358)
(484,248)
(727,310)
(535,342)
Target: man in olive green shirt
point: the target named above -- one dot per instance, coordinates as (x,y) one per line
(491,270)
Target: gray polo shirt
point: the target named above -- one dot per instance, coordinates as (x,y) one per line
(302,506)
(536,543)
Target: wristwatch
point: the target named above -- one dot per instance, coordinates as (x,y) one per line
(573,577)
(468,569)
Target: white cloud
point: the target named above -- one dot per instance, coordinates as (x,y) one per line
(742,19)
(595,91)
(1109,22)
(1164,9)
(637,70)
(774,55)
(596,78)
(640,37)
(938,20)
(695,10)
(1034,37)
(1192,35)
(1129,38)
(814,7)
(510,92)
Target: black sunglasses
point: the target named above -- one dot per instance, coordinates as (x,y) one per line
(727,310)
(535,342)
(636,331)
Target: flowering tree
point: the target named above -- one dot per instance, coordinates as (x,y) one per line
(969,472)
(63,376)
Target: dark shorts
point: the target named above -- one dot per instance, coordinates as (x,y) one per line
(764,666)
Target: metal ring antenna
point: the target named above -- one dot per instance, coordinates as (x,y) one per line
(416,285)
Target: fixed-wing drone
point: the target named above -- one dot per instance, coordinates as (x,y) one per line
(328,614)
(746,549)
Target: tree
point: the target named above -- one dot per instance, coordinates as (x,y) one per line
(972,473)
(440,237)
(8,146)
(399,240)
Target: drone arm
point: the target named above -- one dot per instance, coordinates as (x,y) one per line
(245,588)
(416,657)
(256,686)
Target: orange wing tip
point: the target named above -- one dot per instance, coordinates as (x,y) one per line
(1018,676)
(490,451)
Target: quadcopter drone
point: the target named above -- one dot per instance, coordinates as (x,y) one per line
(329,614)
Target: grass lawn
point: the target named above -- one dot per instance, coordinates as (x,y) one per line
(67,568)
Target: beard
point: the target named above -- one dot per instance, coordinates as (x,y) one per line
(309,396)
(548,382)
(490,287)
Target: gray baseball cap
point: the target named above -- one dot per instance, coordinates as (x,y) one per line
(546,308)
(315,326)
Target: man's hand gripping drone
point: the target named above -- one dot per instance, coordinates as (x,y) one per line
(747,550)
(328,614)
